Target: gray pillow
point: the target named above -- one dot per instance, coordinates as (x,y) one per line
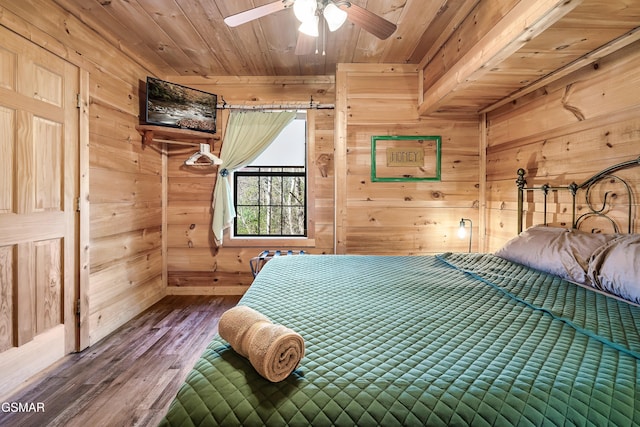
(615,267)
(559,251)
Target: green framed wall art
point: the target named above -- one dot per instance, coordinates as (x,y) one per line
(405,158)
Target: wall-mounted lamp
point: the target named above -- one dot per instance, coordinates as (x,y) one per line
(462,231)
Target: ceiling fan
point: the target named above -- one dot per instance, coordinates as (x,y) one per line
(310,12)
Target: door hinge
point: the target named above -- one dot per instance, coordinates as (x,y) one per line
(77,204)
(78,100)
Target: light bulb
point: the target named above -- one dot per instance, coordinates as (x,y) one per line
(334,16)
(462,232)
(304,9)
(310,27)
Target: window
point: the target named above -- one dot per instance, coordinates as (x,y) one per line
(270,193)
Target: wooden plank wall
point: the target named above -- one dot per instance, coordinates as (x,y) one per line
(126,215)
(564,132)
(399,217)
(195,264)
(124,250)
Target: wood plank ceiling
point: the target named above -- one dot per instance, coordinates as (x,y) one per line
(189,37)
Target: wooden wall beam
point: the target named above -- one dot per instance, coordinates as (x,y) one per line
(340,161)
(519,26)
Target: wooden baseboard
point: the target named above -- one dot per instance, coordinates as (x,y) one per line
(207,290)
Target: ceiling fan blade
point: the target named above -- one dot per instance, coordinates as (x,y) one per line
(376,25)
(306,44)
(256,12)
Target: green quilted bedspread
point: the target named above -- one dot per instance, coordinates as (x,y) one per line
(455,339)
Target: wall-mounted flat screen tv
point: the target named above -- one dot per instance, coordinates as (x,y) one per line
(174,105)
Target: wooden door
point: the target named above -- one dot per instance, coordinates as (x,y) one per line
(38,218)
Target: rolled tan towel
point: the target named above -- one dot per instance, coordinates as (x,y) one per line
(235,323)
(273,350)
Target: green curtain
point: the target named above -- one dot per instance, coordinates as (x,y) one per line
(248,134)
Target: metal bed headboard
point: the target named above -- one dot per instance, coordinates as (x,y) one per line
(587,186)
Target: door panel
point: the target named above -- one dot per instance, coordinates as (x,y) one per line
(38,219)
(48,86)
(48,157)
(25,288)
(7,144)
(7,68)
(7,282)
(49,282)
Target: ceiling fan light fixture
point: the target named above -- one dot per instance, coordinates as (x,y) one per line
(310,27)
(304,9)
(334,16)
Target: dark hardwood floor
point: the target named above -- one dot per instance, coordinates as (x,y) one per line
(130,377)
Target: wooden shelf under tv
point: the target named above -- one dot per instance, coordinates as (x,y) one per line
(151,133)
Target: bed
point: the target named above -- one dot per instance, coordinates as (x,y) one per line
(451,339)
